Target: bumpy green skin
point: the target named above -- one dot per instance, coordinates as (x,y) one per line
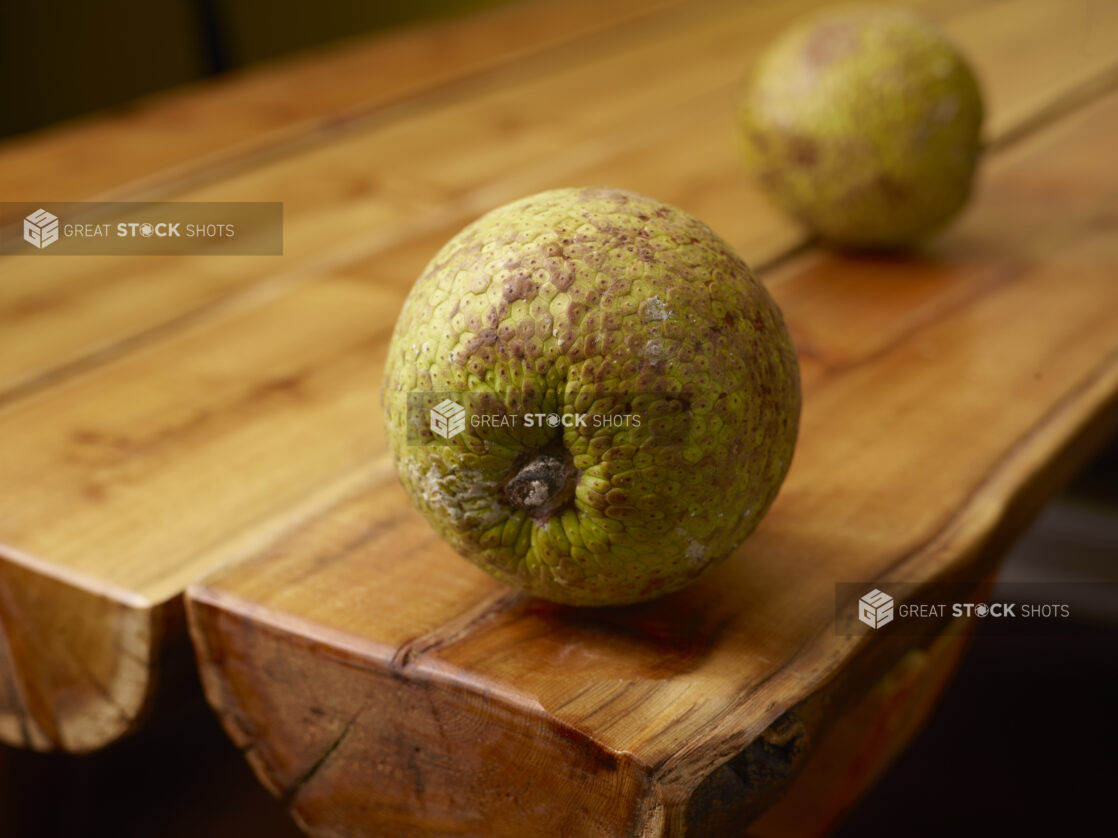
(864,125)
(573,295)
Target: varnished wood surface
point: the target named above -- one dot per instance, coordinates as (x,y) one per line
(578,112)
(162,418)
(165,453)
(381,684)
(350,192)
(160,144)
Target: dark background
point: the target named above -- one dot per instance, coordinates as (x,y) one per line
(1022,742)
(64,58)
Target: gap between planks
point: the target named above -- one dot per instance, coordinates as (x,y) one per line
(1079,96)
(470,204)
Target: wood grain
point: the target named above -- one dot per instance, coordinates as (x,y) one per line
(76,660)
(349,193)
(151,147)
(167,458)
(379,683)
(354,189)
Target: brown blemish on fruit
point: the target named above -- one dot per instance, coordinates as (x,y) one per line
(518,287)
(562,279)
(802,151)
(830,42)
(892,189)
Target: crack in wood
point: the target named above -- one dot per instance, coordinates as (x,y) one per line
(299,783)
(454,630)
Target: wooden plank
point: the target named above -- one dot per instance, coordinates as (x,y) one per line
(131,480)
(358,191)
(350,193)
(147,148)
(76,657)
(382,684)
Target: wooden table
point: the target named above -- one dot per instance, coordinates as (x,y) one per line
(178,419)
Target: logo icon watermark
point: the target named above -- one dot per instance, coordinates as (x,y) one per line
(100,228)
(875,609)
(448,419)
(40,228)
(1009,608)
(440,416)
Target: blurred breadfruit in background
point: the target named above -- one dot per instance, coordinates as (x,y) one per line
(863,124)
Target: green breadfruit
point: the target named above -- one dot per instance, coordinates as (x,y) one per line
(864,124)
(630,313)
